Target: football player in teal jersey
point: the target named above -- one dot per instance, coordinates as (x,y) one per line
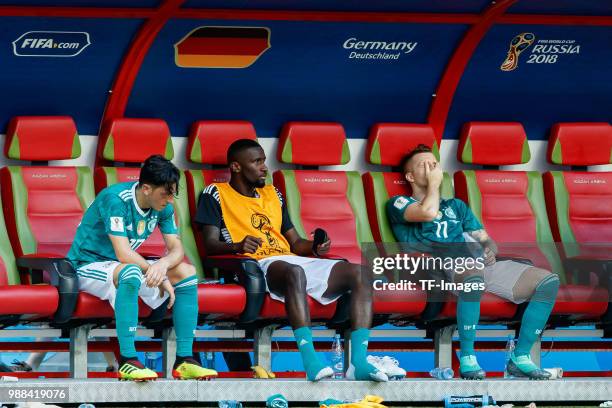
(104,255)
(426,219)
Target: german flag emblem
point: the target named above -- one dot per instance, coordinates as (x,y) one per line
(222,47)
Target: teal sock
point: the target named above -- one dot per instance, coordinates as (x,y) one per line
(537,313)
(359,345)
(359,354)
(312,364)
(126,308)
(185,315)
(468,314)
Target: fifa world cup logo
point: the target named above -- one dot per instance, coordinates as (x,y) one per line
(518,44)
(262,223)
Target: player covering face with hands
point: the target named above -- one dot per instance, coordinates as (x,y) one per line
(426,218)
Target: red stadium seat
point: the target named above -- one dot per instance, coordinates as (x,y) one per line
(132,141)
(21,302)
(511,206)
(578,201)
(44,204)
(332,200)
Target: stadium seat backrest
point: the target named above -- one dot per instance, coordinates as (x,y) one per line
(387,144)
(493,143)
(209,139)
(332,200)
(43,205)
(128,140)
(578,202)
(510,204)
(126,135)
(208,144)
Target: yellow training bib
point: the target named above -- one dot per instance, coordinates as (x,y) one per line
(259,217)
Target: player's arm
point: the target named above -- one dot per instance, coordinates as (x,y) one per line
(209,216)
(176,253)
(210,236)
(485,240)
(303,247)
(125,254)
(427,210)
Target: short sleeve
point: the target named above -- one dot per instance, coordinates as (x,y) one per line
(396,207)
(469,221)
(113,214)
(209,208)
(167,221)
(286,223)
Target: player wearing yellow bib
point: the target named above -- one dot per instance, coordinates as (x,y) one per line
(246,216)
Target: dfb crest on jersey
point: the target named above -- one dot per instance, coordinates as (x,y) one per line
(448,211)
(141,227)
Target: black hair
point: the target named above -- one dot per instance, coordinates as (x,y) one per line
(158,171)
(421,148)
(238,146)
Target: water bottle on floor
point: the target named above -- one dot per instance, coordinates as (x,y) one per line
(230,404)
(442,373)
(150,360)
(509,350)
(337,357)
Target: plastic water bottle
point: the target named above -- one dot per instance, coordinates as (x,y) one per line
(442,373)
(230,404)
(337,357)
(210,360)
(509,350)
(471,401)
(150,360)
(86,405)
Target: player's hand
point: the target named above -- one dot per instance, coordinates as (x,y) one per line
(322,248)
(166,286)
(433,172)
(489,256)
(249,245)
(156,273)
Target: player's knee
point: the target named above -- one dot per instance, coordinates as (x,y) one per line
(359,276)
(296,277)
(547,289)
(131,275)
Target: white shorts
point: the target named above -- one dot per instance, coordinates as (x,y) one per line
(96,278)
(317,272)
(501,277)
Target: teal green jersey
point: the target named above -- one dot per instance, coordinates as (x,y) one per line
(116,212)
(453,219)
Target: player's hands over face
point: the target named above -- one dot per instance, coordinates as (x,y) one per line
(166,286)
(249,245)
(433,172)
(156,273)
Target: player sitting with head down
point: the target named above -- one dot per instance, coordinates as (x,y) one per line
(246,216)
(104,255)
(424,218)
